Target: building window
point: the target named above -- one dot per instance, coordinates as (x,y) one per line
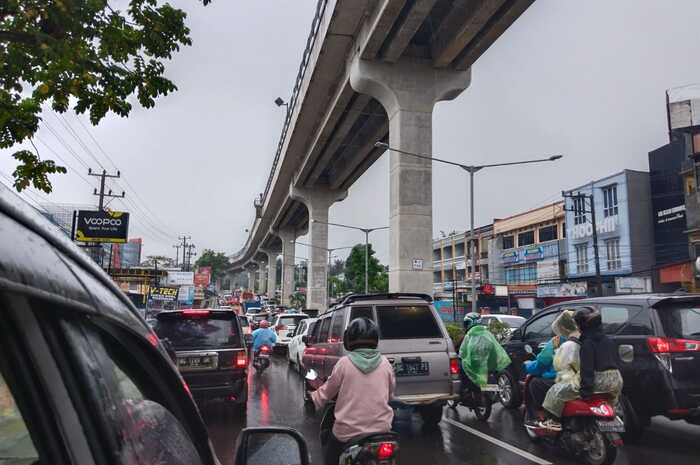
(525,274)
(508,242)
(548,233)
(582,258)
(610,200)
(526,238)
(613,248)
(580,210)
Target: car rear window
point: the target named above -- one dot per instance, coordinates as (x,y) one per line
(681,322)
(291,320)
(514,323)
(191,333)
(407,322)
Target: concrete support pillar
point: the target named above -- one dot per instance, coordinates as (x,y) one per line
(251,279)
(408,91)
(262,278)
(271,272)
(317,201)
(288,236)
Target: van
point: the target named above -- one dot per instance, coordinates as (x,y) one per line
(411,335)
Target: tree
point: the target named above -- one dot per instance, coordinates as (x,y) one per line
(161,260)
(218,262)
(337,267)
(84,53)
(355,271)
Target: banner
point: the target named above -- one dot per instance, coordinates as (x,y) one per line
(203,276)
(576,289)
(164,294)
(101,226)
(180,278)
(186,295)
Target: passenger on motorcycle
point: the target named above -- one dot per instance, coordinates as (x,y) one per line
(480,353)
(263,336)
(363,382)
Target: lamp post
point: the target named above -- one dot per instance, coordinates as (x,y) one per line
(366,231)
(471,169)
(328,273)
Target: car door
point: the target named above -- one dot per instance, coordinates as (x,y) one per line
(535,333)
(295,343)
(310,355)
(322,345)
(335,341)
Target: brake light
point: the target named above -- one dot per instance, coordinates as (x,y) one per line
(264,349)
(241,360)
(386,450)
(665,345)
(195,312)
(603,410)
(454,366)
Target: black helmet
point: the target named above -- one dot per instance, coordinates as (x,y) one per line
(587,318)
(361,333)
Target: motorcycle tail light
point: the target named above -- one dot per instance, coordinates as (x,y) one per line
(241,360)
(454,366)
(264,349)
(603,410)
(386,450)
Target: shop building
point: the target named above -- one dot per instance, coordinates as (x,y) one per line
(527,251)
(623,214)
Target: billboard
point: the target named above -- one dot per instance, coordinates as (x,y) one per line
(574,289)
(101,226)
(180,278)
(186,295)
(164,294)
(203,276)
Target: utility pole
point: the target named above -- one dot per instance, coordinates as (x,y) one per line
(184,240)
(177,253)
(596,255)
(190,253)
(103,176)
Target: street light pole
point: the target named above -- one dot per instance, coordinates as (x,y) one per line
(471,169)
(328,271)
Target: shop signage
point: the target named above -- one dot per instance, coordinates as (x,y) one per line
(670,214)
(488,289)
(186,295)
(180,278)
(605,226)
(547,269)
(579,289)
(632,285)
(101,226)
(417,264)
(510,257)
(164,294)
(202,277)
(522,289)
(533,253)
(501,291)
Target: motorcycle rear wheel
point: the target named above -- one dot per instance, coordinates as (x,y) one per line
(600,450)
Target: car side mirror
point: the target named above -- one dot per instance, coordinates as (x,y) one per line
(271,446)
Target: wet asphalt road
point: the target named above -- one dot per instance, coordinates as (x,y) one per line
(275,399)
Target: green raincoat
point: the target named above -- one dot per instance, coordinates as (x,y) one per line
(481,354)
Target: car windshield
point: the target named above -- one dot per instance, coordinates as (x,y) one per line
(407,322)
(189,333)
(682,322)
(290,320)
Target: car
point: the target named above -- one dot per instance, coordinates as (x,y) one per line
(256,318)
(83,378)
(296,345)
(512,321)
(284,325)
(210,352)
(658,351)
(411,335)
(247,330)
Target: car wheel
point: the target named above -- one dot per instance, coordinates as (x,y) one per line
(508,393)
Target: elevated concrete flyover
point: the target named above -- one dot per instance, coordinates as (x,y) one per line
(372,70)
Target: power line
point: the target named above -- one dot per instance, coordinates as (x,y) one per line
(62,120)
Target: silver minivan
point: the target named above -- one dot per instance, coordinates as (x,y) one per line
(411,335)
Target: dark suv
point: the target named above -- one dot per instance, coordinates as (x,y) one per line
(210,352)
(658,349)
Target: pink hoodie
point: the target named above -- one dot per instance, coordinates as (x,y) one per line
(362,406)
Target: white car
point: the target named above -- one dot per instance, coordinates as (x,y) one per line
(285,324)
(295,348)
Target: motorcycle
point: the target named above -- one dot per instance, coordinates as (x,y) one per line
(262,359)
(369,449)
(590,428)
(479,401)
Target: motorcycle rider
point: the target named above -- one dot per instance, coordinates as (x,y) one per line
(363,382)
(263,336)
(480,353)
(599,370)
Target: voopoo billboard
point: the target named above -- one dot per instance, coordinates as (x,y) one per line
(101,226)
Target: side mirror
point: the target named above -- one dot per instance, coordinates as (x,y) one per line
(271,446)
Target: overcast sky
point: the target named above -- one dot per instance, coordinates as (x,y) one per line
(585,79)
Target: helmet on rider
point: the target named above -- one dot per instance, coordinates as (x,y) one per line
(264,324)
(588,318)
(362,333)
(471,319)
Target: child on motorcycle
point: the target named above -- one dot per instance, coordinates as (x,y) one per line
(480,353)
(364,383)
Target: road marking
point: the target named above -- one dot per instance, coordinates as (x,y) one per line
(497,442)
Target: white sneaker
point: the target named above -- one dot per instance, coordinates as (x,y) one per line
(550,424)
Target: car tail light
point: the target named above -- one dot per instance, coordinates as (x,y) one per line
(195,312)
(454,366)
(386,450)
(666,345)
(241,360)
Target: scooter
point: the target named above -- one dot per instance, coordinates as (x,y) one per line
(479,401)
(590,428)
(370,449)
(262,359)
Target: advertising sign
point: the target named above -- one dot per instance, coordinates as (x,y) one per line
(501,291)
(604,226)
(203,276)
(632,285)
(180,278)
(533,253)
(186,295)
(164,294)
(101,226)
(579,289)
(510,257)
(417,264)
(547,270)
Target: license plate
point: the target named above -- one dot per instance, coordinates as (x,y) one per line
(412,369)
(490,388)
(612,426)
(196,362)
